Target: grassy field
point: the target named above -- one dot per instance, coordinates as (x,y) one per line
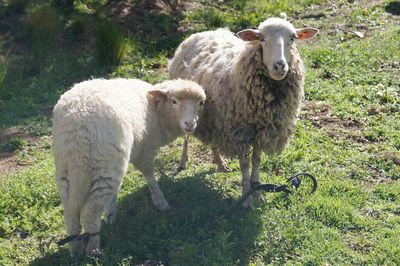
(348,136)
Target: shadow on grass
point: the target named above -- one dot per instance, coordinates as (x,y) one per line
(193,233)
(393,8)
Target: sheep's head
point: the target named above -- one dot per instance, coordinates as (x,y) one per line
(184,100)
(276,36)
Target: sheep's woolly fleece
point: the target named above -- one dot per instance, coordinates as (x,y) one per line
(244,106)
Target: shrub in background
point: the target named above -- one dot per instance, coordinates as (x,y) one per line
(44,24)
(111,45)
(79,25)
(16,6)
(3,64)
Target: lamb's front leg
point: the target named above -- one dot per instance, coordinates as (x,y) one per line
(255,171)
(244,167)
(146,166)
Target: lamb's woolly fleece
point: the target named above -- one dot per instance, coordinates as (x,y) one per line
(244,106)
(100,126)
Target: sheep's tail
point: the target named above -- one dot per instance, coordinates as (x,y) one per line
(72,158)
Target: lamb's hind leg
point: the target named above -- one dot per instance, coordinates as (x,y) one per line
(255,171)
(219,161)
(72,210)
(103,190)
(72,214)
(244,167)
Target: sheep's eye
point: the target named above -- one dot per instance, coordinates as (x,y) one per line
(174,101)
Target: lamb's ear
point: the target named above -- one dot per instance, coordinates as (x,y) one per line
(158,95)
(306,33)
(249,35)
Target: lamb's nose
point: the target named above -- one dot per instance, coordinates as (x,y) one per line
(189,125)
(279,65)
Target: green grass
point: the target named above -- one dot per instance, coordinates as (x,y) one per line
(347,136)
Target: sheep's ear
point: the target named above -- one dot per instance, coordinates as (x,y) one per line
(249,35)
(158,95)
(306,33)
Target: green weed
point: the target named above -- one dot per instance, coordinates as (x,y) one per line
(111,45)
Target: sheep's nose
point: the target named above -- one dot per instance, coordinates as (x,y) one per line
(189,125)
(279,65)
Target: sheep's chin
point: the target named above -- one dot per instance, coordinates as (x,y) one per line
(277,75)
(187,131)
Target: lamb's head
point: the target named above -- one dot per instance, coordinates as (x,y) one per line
(276,36)
(183,100)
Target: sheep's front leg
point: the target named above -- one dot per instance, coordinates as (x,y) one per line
(184,156)
(219,161)
(244,167)
(255,171)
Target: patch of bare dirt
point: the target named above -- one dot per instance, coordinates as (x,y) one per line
(9,162)
(319,114)
(331,18)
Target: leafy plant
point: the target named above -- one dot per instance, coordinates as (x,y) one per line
(14,144)
(111,45)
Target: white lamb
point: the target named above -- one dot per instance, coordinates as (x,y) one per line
(254,87)
(100,126)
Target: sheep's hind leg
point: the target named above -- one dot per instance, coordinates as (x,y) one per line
(255,172)
(184,156)
(244,167)
(219,161)
(103,190)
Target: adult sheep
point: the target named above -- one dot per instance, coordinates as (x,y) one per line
(254,87)
(99,126)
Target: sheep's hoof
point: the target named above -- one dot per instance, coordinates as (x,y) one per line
(180,168)
(224,168)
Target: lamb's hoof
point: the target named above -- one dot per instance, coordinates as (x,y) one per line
(163,206)
(248,203)
(180,168)
(76,249)
(93,253)
(111,218)
(93,247)
(258,195)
